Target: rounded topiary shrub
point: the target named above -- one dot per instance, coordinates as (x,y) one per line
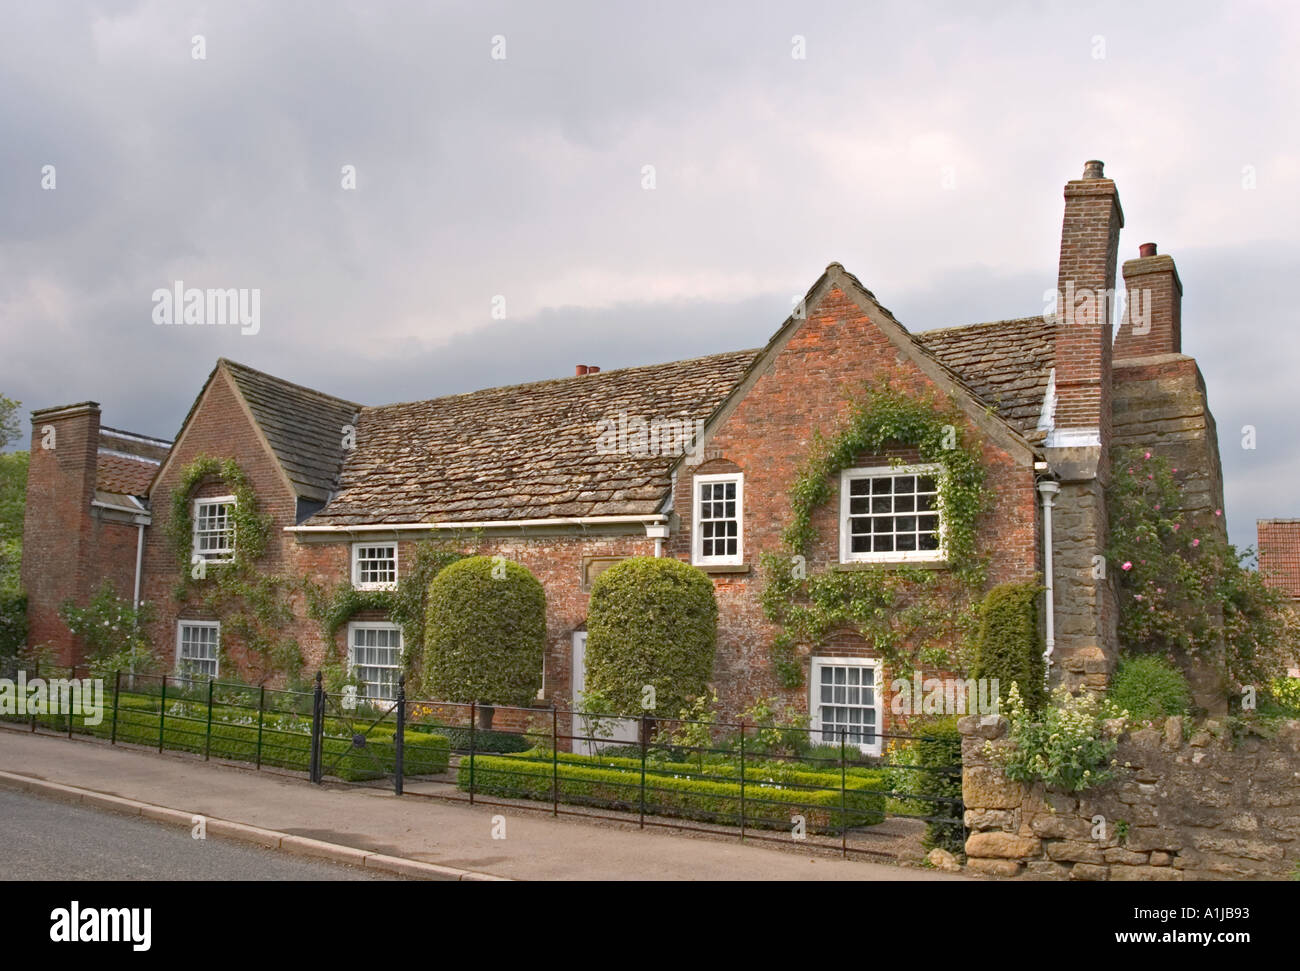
(651,621)
(485,633)
(1007,645)
(1148,686)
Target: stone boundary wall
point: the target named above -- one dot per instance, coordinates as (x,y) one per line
(1198,809)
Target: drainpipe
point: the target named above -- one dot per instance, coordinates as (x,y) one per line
(139,559)
(657,532)
(1048,490)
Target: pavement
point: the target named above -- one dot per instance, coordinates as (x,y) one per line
(409,835)
(47,840)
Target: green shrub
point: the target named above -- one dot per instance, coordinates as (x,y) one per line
(1285,692)
(938,776)
(651,621)
(1148,686)
(13,623)
(286,739)
(485,741)
(485,633)
(1007,645)
(1064,745)
(772,797)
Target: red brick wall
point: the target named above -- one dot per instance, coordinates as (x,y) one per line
(70,548)
(837,349)
(219,428)
(1089,252)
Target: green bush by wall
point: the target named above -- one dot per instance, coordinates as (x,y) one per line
(651,621)
(485,633)
(1148,686)
(1007,645)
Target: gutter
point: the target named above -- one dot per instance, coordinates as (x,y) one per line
(485,524)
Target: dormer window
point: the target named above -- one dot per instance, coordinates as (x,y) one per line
(214,529)
(717,527)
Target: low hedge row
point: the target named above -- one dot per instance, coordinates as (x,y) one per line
(485,741)
(769,803)
(423,753)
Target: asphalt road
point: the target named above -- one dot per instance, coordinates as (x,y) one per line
(49,840)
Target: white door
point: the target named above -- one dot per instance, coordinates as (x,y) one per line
(599,732)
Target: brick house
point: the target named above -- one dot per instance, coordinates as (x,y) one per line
(1278,546)
(520,471)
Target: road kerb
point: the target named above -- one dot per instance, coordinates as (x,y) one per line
(269,838)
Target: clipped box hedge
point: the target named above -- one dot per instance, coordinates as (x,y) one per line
(424,753)
(683,791)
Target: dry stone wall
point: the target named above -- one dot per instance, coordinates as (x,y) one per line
(1183,809)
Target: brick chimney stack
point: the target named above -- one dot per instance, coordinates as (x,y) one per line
(57,527)
(1078,441)
(1085,288)
(1153,310)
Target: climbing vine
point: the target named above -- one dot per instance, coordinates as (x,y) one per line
(252,605)
(907,612)
(404,604)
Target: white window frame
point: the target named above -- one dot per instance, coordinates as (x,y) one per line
(180,640)
(697,539)
(356,625)
(356,567)
(815,702)
(215,556)
(894,556)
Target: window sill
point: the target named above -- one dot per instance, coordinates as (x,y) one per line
(857,565)
(722,567)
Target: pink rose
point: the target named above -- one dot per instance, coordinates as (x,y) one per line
(1196,542)
(1128,565)
(1147,456)
(1218,512)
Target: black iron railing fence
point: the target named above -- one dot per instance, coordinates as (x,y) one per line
(765,782)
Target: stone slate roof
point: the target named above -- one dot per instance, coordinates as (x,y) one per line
(304,427)
(127,462)
(1005,362)
(1279,554)
(523,452)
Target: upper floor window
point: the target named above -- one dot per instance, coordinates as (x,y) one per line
(214,529)
(718,536)
(374,566)
(890,514)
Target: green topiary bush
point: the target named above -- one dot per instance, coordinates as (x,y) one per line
(1148,686)
(938,776)
(1007,645)
(651,621)
(485,633)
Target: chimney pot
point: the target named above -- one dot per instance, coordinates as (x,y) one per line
(580,370)
(592,369)
(1147,249)
(1093,169)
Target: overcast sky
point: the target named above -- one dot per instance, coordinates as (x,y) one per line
(922,146)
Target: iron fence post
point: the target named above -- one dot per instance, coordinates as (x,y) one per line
(742,781)
(261,707)
(117,690)
(207,740)
(645,739)
(36,673)
(317,727)
(844,816)
(162,712)
(473,720)
(400,739)
(555,760)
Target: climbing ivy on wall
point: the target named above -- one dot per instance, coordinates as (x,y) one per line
(906,612)
(404,605)
(251,604)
